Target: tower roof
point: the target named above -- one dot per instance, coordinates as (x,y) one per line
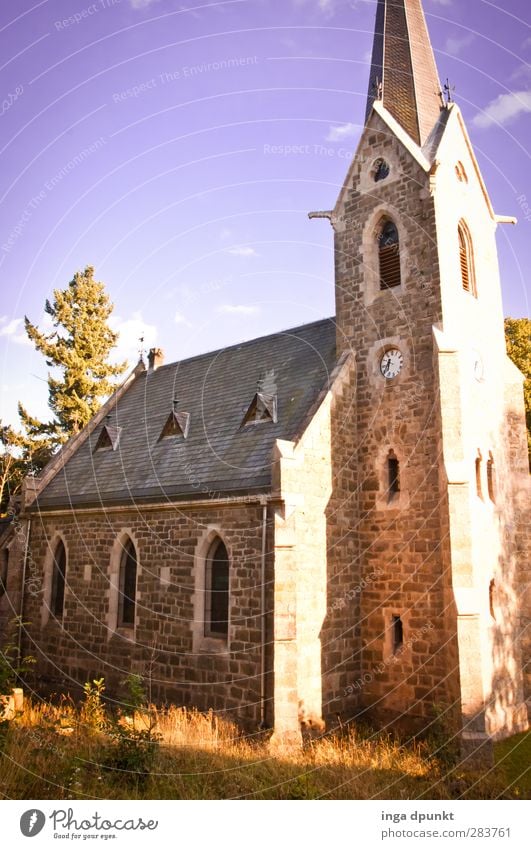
(403,71)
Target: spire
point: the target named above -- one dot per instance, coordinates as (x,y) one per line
(403,71)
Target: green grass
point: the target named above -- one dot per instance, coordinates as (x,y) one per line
(513,760)
(60,752)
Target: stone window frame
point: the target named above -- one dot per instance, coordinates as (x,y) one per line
(371,254)
(127,632)
(47,583)
(201,643)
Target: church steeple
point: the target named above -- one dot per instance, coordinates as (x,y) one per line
(403,71)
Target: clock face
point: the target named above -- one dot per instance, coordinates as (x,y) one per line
(391,363)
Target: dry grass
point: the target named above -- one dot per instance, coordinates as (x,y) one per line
(51,753)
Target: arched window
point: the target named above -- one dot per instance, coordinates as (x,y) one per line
(389,255)
(461,173)
(466,259)
(217,591)
(4,567)
(491,478)
(58,580)
(127,598)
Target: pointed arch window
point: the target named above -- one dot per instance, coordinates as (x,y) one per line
(217,591)
(58,580)
(128,576)
(466,259)
(389,255)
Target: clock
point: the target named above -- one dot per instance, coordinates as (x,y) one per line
(391,363)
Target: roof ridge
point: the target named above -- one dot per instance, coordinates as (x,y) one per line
(238,345)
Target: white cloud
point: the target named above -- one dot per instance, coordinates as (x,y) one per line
(242,250)
(179,318)
(504,109)
(142,4)
(342,132)
(455,44)
(10,329)
(238,309)
(130,331)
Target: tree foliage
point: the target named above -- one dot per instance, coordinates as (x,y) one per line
(518,336)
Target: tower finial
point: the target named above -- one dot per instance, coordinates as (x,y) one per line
(403,71)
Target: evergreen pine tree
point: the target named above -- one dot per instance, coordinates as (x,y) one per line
(79,347)
(518,336)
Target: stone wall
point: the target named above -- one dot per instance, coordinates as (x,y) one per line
(12,547)
(82,646)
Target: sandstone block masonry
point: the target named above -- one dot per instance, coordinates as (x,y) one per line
(83,645)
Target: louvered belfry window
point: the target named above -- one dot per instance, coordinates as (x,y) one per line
(466,259)
(389,256)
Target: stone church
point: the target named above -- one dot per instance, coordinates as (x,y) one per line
(331,521)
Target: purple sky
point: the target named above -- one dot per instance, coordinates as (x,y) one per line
(143,137)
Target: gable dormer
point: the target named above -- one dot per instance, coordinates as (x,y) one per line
(264,406)
(177,424)
(109,438)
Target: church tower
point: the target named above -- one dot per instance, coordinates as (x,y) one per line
(429,462)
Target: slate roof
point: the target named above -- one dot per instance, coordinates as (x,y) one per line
(403,62)
(218,457)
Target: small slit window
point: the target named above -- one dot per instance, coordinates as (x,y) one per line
(491,478)
(128,576)
(4,569)
(380,170)
(492,598)
(479,486)
(466,259)
(217,592)
(393,476)
(389,256)
(397,633)
(58,580)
